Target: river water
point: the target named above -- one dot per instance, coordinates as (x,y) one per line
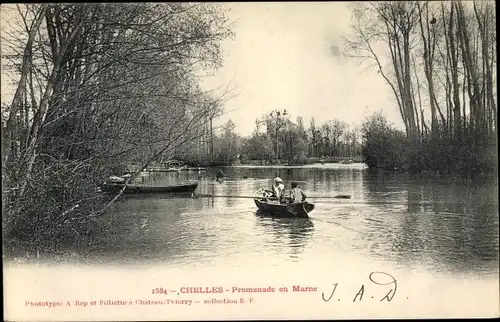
(445,224)
(432,240)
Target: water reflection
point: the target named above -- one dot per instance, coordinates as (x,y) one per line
(138,229)
(292,233)
(429,223)
(229,188)
(448,223)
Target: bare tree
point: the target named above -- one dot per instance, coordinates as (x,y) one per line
(101,85)
(393,25)
(450,46)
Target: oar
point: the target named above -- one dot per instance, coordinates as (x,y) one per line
(337,197)
(253,197)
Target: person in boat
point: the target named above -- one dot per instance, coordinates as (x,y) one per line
(277,188)
(219,175)
(297,195)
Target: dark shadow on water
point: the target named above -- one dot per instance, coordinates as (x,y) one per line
(448,223)
(143,230)
(155,195)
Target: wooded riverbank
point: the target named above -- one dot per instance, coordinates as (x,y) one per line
(97,87)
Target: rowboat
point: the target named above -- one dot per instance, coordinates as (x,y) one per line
(123,178)
(268,205)
(277,209)
(137,188)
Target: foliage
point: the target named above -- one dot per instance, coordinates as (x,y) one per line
(295,144)
(99,86)
(438,59)
(258,147)
(282,136)
(227,145)
(384,146)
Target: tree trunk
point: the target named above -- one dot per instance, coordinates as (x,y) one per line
(211,139)
(21,89)
(39,117)
(453,56)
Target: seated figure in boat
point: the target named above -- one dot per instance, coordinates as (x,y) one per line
(278,188)
(219,175)
(297,195)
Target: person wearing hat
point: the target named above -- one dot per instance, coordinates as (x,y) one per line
(278,187)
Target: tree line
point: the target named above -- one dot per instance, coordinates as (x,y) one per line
(277,137)
(439,60)
(97,86)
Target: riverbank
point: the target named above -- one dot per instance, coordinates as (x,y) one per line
(195,164)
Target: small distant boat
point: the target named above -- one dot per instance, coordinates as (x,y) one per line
(290,210)
(137,189)
(167,166)
(347,162)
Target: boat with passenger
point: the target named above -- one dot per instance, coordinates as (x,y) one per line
(267,204)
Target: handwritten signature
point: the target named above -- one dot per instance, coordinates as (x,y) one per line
(377,278)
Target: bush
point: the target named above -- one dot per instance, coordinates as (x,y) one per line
(56,214)
(384,147)
(387,148)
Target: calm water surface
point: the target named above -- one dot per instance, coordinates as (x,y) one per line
(438,225)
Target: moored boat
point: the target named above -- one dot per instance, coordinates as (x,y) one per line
(121,179)
(167,166)
(164,169)
(139,189)
(116,179)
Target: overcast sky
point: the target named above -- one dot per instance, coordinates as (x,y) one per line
(281,57)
